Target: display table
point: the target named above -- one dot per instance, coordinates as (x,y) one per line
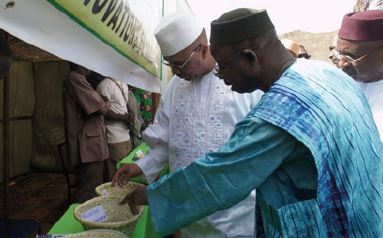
(68,224)
(132,157)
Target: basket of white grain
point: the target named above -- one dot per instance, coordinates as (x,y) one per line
(102,233)
(105,212)
(107,189)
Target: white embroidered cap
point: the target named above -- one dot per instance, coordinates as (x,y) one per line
(176,32)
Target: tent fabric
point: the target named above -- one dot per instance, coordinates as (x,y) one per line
(21,105)
(22,51)
(48,116)
(102,40)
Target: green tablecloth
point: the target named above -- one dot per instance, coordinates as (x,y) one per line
(67,224)
(143,148)
(131,158)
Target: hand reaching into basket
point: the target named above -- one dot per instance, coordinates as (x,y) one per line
(123,174)
(136,199)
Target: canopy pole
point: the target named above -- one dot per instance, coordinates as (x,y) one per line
(6,143)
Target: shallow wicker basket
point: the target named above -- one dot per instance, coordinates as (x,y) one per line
(118,217)
(98,234)
(106,189)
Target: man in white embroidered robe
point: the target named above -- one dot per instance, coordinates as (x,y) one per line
(196,115)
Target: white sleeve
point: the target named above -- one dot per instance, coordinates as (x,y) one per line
(105,88)
(157,137)
(152,164)
(243,104)
(125,90)
(255,97)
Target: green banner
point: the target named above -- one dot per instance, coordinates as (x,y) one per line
(114,23)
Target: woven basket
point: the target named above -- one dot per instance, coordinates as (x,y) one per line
(98,234)
(106,189)
(118,217)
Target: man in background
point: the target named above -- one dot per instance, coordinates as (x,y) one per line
(117,121)
(291,46)
(302,53)
(85,132)
(359,53)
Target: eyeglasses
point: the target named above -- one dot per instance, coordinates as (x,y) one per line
(219,70)
(182,66)
(304,55)
(348,59)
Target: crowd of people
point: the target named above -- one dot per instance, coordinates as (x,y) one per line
(261,140)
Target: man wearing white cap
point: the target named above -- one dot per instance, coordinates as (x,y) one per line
(197,114)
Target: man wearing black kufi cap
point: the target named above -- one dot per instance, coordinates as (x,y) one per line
(307,147)
(359,53)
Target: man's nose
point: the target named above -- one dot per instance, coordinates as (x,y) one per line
(348,68)
(342,63)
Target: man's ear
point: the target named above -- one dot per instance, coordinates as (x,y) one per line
(250,56)
(204,51)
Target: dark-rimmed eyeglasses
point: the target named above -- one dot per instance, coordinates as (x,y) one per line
(219,70)
(183,65)
(304,55)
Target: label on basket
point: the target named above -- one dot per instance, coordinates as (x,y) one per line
(104,192)
(96,214)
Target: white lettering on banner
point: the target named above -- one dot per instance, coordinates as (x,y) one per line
(72,31)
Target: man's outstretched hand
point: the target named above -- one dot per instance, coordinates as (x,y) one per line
(136,199)
(125,173)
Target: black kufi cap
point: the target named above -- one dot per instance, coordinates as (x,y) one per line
(239,25)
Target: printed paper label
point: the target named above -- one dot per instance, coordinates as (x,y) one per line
(105,193)
(96,214)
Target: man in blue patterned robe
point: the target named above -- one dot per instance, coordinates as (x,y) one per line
(309,147)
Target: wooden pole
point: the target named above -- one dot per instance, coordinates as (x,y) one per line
(6,144)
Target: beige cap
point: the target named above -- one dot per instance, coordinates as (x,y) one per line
(176,32)
(292,46)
